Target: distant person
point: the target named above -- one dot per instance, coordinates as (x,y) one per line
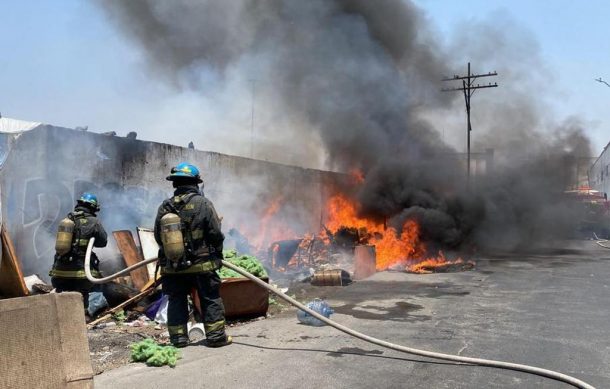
(74,232)
(191,145)
(188,231)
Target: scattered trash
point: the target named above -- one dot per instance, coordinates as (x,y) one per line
(119,316)
(152,310)
(105,325)
(161,315)
(196,331)
(112,311)
(319,306)
(97,302)
(32,280)
(141,321)
(116,292)
(42,288)
(154,354)
(283,290)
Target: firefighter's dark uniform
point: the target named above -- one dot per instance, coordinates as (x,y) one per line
(68,273)
(203,251)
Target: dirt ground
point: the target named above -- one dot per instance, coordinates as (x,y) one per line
(109,342)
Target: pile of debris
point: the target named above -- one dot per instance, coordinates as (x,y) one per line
(132,308)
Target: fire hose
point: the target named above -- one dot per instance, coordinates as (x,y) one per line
(409,350)
(600,242)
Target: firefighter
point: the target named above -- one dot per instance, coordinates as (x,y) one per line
(74,232)
(189,235)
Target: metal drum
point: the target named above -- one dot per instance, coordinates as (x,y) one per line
(332,277)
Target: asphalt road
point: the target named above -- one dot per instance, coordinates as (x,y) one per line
(548,309)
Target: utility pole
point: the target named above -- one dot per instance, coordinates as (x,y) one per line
(469,88)
(253,81)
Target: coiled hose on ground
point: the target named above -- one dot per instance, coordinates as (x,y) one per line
(409,350)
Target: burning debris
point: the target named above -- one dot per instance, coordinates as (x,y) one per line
(341,233)
(439,265)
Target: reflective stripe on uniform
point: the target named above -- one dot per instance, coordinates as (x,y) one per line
(82,242)
(73,273)
(197,233)
(214,326)
(201,267)
(177,330)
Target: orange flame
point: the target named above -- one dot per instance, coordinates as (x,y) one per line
(428,265)
(392,248)
(269,229)
(357,176)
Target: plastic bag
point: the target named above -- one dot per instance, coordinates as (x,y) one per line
(319,306)
(161,316)
(97,302)
(152,310)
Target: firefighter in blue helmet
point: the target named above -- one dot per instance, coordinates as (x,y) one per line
(74,232)
(189,235)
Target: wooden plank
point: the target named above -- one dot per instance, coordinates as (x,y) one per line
(151,282)
(148,247)
(12,283)
(108,314)
(131,255)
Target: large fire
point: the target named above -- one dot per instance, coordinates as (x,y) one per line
(392,248)
(395,249)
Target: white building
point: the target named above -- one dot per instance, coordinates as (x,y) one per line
(599,175)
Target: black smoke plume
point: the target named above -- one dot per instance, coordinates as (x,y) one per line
(362,79)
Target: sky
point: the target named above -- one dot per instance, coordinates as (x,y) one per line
(63,62)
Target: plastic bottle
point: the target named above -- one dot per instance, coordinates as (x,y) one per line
(319,306)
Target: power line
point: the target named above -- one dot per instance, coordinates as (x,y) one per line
(602,81)
(468,88)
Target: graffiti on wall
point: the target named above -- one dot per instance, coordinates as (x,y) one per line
(36,208)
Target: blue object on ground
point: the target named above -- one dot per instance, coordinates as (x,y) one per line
(151,312)
(97,302)
(319,306)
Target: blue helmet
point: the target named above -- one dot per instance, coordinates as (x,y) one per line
(185,170)
(89,199)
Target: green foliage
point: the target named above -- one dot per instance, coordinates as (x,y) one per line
(154,354)
(246,262)
(119,316)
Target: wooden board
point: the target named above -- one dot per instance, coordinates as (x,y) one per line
(131,255)
(12,283)
(149,247)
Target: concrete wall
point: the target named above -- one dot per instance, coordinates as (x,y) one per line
(599,173)
(45,169)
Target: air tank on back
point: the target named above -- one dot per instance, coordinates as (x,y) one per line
(171,237)
(63,241)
